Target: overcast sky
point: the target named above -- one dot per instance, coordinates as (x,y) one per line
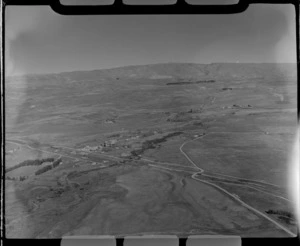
(40,41)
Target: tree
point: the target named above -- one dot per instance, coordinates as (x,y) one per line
(56,162)
(22,178)
(43,169)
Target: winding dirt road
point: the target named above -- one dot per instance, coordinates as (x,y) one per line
(233,196)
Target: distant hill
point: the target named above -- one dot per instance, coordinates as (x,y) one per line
(175,71)
(133,96)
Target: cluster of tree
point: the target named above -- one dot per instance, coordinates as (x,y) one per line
(56,162)
(48,167)
(43,169)
(36,162)
(21,178)
(280,212)
(10,178)
(227,88)
(191,82)
(151,144)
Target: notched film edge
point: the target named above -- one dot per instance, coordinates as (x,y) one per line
(159,121)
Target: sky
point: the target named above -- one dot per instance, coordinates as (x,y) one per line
(38,40)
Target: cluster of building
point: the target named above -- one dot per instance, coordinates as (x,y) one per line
(108,143)
(91,148)
(10,151)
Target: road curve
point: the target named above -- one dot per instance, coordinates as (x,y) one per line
(187,157)
(232,196)
(228,193)
(206,134)
(247,206)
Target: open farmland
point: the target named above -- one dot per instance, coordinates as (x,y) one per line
(166,149)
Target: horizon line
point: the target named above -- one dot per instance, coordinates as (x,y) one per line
(134,65)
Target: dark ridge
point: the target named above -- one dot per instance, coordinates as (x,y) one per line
(195,82)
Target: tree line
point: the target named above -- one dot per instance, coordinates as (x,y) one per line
(280,212)
(36,162)
(48,167)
